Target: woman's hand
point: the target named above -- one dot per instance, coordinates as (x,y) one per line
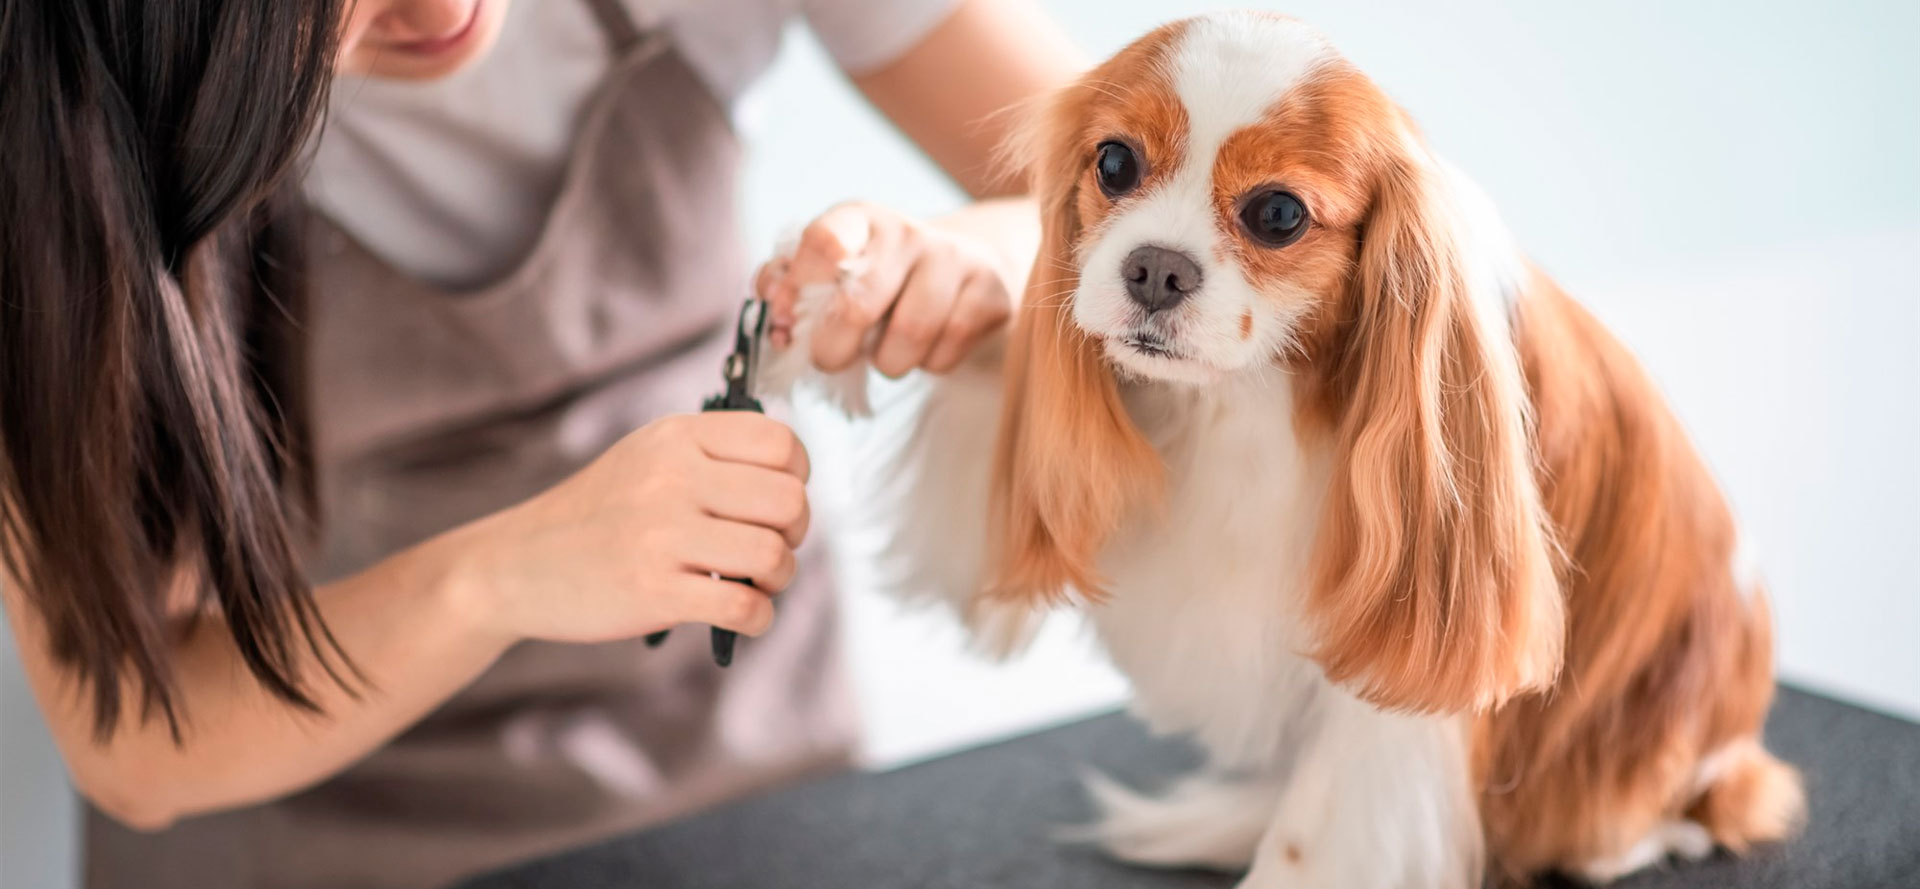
(932,291)
(630,544)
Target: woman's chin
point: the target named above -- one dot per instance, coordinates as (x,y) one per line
(430,61)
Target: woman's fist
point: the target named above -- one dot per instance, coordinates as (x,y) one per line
(639,539)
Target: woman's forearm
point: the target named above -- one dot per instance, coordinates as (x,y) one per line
(409,629)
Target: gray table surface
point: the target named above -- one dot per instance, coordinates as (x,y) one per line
(981,819)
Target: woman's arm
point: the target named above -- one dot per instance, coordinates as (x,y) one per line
(400,621)
(950,92)
(625,547)
(953,89)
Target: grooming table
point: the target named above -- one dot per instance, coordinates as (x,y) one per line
(981,820)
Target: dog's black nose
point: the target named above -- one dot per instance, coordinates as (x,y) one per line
(1158,278)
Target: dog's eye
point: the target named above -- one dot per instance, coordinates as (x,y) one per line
(1118,169)
(1275,218)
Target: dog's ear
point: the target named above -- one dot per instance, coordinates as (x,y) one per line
(1069,464)
(1434,583)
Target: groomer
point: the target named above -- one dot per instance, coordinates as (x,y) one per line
(342,478)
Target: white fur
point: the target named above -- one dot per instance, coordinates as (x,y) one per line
(1211,819)
(939,482)
(1204,613)
(784,369)
(1376,801)
(933,480)
(1205,619)
(1231,68)
(1496,269)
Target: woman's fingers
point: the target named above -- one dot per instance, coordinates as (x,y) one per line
(735,550)
(932,293)
(981,307)
(919,316)
(751,438)
(758,496)
(826,242)
(767,277)
(891,251)
(722,603)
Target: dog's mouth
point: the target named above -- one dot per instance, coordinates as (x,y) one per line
(1148,355)
(1149,344)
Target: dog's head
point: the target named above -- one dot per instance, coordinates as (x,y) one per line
(1228,195)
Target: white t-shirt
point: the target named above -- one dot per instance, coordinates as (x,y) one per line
(449,180)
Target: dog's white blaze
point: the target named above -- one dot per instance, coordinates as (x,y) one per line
(1229,70)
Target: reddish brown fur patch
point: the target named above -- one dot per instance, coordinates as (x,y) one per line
(1667,662)
(1321,144)
(1070,465)
(1434,586)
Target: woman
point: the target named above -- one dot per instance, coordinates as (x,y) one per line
(334,508)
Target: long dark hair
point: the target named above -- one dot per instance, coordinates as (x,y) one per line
(153,416)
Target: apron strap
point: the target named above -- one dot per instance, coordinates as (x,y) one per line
(616,24)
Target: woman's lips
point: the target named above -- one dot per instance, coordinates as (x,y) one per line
(439,45)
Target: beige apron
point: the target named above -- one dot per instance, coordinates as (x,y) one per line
(434,408)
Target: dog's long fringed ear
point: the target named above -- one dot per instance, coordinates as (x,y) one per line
(1434,573)
(1070,463)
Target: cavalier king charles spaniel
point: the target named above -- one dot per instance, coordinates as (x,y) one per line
(1354,495)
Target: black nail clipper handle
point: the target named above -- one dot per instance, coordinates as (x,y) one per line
(723,640)
(733,400)
(749,333)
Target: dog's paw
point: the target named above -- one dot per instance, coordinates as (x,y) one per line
(791,367)
(1682,840)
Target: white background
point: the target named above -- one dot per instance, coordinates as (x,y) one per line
(1733,186)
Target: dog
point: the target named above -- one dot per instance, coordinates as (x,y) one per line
(1353,493)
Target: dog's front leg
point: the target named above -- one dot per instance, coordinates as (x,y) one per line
(1375,801)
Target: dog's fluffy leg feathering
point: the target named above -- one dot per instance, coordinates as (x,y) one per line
(932,452)
(1375,801)
(1205,820)
(786,369)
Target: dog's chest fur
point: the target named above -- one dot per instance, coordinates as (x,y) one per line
(1204,614)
